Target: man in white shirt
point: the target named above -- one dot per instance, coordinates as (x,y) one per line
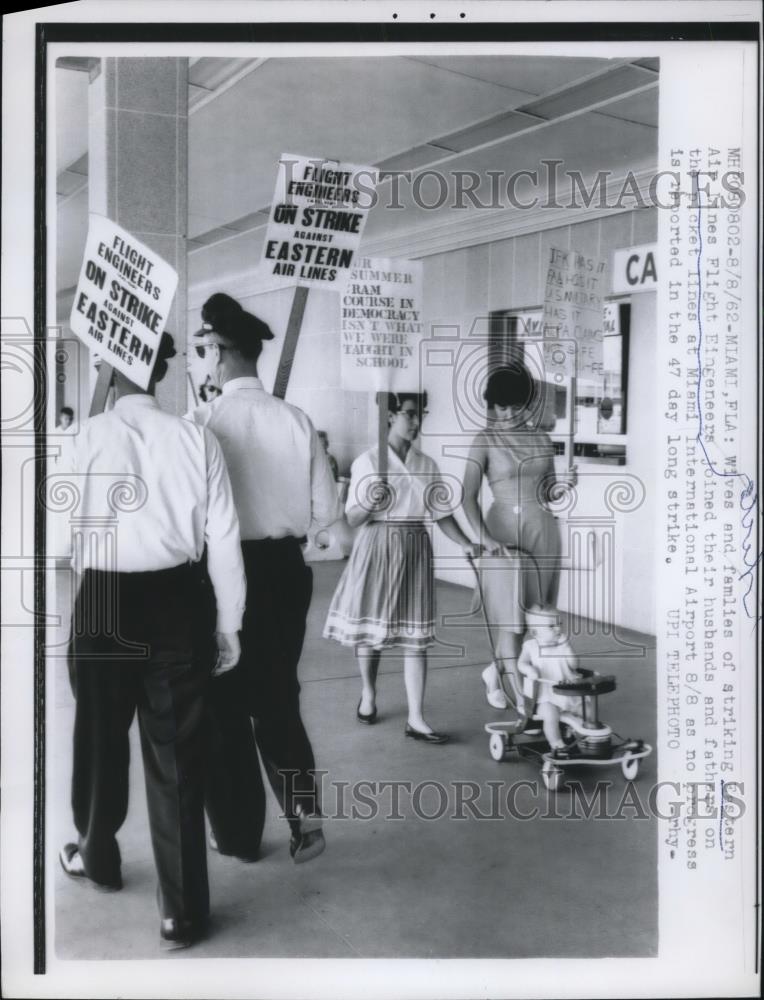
(153,489)
(282,484)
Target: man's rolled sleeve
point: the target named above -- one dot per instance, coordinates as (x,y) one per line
(224,560)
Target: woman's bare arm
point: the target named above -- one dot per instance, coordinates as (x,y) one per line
(473,478)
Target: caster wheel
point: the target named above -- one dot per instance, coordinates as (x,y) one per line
(552,777)
(497,746)
(630,768)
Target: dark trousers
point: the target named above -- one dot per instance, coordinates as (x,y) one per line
(131,649)
(263,689)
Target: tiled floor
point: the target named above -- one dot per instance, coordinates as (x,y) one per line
(409,887)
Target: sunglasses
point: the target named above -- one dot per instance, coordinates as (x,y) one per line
(201,349)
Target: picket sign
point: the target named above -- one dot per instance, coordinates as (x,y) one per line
(573,323)
(123,298)
(381,329)
(315,226)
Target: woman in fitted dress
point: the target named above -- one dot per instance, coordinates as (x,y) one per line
(517,460)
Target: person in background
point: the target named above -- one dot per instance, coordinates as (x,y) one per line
(385,596)
(66,424)
(209,391)
(609,417)
(323,437)
(516,458)
(282,484)
(132,642)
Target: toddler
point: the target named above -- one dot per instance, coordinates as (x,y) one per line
(547,657)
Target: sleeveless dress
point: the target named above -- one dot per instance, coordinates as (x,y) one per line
(517,464)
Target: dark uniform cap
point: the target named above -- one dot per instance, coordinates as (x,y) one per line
(223,315)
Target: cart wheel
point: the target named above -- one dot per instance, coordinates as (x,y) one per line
(551,776)
(630,767)
(497,746)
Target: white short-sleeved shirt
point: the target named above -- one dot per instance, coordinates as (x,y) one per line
(281,478)
(152,490)
(418,490)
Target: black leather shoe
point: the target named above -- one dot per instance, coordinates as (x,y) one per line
(175,934)
(306,846)
(367,720)
(73,865)
(308,842)
(414,734)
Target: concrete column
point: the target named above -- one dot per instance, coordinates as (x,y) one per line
(138,174)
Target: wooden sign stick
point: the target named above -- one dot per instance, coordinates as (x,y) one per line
(194,394)
(572,417)
(101,391)
(382,432)
(290,342)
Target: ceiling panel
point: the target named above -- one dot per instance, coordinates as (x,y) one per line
(494,128)
(587,144)
(641,109)
(355,110)
(527,75)
(590,91)
(393,110)
(416,157)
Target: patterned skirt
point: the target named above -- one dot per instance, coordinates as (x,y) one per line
(385,596)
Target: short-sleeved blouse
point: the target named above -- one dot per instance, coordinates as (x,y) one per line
(418,490)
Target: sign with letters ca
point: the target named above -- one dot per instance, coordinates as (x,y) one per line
(634,269)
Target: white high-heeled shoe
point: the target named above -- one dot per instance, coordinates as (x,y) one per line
(494,694)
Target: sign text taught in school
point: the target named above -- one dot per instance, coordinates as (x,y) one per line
(382,325)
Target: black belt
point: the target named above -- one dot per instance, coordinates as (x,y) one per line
(145,574)
(287,540)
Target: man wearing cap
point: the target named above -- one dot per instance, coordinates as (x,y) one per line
(152,489)
(282,485)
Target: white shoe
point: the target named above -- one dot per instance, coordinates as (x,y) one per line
(494,695)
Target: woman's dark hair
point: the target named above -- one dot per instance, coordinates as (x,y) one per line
(224,315)
(395,400)
(68,411)
(165,351)
(510,385)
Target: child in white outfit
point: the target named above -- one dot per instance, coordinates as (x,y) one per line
(547,656)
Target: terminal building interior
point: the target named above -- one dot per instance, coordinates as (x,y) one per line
(183,152)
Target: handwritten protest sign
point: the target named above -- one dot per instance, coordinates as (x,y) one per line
(573,315)
(123,297)
(382,325)
(316,220)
